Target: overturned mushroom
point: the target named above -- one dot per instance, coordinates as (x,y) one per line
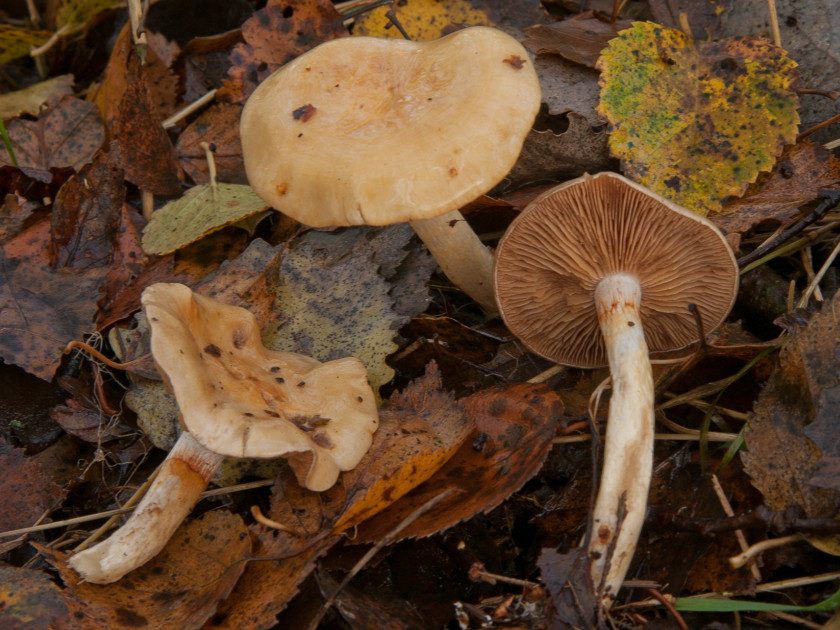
(237,399)
(596,271)
(364,130)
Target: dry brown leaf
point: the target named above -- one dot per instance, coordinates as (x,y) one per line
(219,126)
(180,588)
(67,134)
(580,38)
(276,34)
(513,433)
(419,430)
(26,490)
(42,309)
(800,172)
(86,215)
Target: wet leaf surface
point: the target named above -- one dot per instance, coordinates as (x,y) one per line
(30,600)
(26,490)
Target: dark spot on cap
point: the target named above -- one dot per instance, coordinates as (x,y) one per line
(213,350)
(304,113)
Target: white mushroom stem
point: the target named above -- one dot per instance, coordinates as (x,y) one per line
(183,476)
(461,255)
(628,445)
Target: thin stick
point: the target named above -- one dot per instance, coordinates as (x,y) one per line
(262,519)
(542,377)
(669,605)
(125,510)
(711,436)
(175,118)
(101,357)
(751,552)
(428,505)
(818,278)
(211,167)
(739,533)
(774,22)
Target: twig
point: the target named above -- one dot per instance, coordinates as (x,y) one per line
(175,118)
(668,605)
(774,22)
(818,278)
(739,533)
(830,199)
(125,510)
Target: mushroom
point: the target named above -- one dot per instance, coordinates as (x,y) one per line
(365,130)
(237,399)
(600,270)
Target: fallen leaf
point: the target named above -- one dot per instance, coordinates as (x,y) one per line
(147,155)
(31,601)
(513,433)
(809,33)
(16,41)
(199,212)
(181,587)
(419,430)
(569,583)
(27,491)
(551,156)
(275,35)
(41,309)
(425,20)
(86,215)
(219,126)
(580,38)
(704,18)
(791,455)
(796,179)
(76,13)
(67,134)
(696,121)
(29,100)
(332,301)
(267,585)
(568,87)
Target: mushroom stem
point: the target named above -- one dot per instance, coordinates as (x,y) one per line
(628,445)
(183,476)
(460,253)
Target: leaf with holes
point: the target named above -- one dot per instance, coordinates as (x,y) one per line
(696,121)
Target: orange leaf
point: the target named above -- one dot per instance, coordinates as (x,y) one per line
(513,434)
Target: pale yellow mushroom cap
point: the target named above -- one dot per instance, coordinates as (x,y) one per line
(364,130)
(241,400)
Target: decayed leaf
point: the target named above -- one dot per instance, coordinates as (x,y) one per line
(704,18)
(809,33)
(333,302)
(792,455)
(568,87)
(26,491)
(419,430)
(513,433)
(180,588)
(15,41)
(29,100)
(31,601)
(199,212)
(86,215)
(696,121)
(148,156)
(67,133)
(219,126)
(551,156)
(796,179)
(580,38)
(41,309)
(276,34)
(266,587)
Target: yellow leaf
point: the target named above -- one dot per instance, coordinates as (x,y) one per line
(423,20)
(16,42)
(696,121)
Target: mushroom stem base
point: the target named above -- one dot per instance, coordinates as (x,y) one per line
(183,476)
(628,445)
(460,253)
